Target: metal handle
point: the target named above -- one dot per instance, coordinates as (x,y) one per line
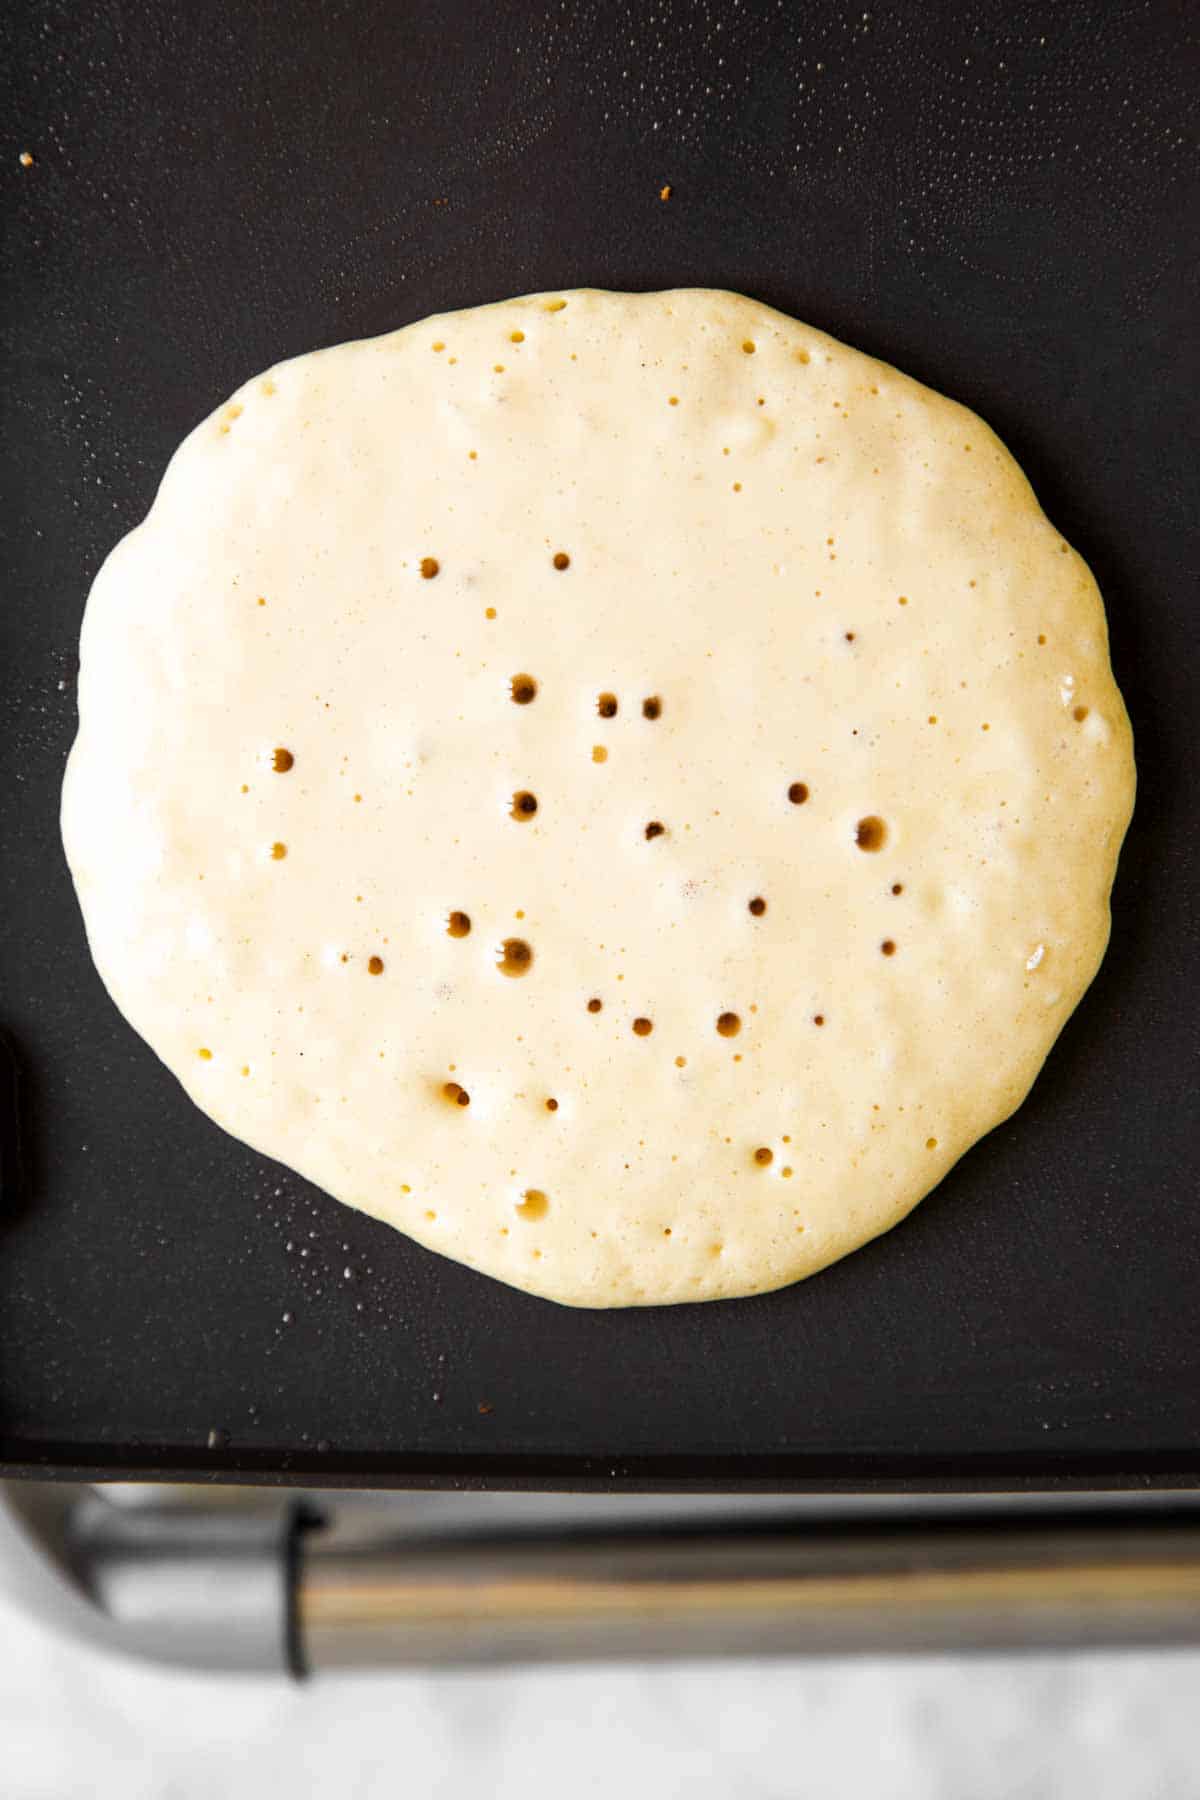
(798,1588)
(198,1578)
(246,1579)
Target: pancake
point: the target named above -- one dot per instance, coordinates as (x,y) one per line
(624,788)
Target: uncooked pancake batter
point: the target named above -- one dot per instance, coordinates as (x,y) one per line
(622,787)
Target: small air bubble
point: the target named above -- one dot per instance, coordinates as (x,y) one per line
(516,957)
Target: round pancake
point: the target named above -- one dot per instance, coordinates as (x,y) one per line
(623,788)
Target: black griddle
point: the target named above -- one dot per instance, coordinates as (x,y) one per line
(1002,200)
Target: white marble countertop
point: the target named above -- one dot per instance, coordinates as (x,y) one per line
(1125,1726)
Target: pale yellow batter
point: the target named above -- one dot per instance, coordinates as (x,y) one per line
(622,787)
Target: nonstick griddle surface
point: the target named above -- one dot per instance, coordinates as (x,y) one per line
(1002,200)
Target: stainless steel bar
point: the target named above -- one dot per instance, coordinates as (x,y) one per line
(363,1600)
(244,1579)
(201,1578)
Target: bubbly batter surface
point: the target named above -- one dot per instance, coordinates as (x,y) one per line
(622,787)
